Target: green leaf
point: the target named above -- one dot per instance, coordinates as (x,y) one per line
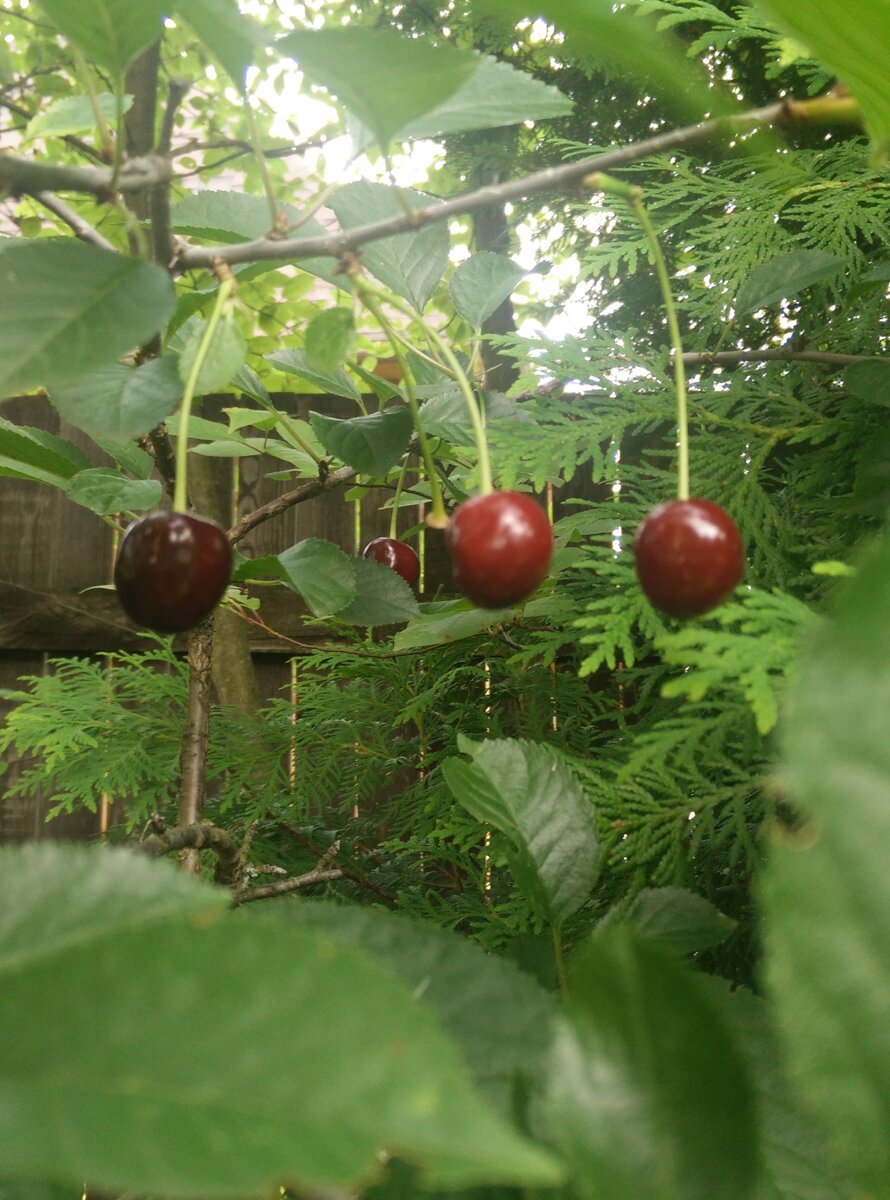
(869,381)
(784,276)
(330,339)
(481,283)
(27,453)
(76,308)
(648,1097)
(103,490)
(382,597)
(826,889)
(450,622)
(227,217)
(358,66)
(677,918)
(412,264)
(527,792)
(496,94)
(499,1017)
(323,575)
(109,32)
(72,114)
(120,402)
(234,1045)
(225,354)
(231,37)
(853,49)
(369,444)
(128,457)
(293,362)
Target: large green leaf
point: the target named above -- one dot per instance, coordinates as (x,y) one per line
(228,217)
(382,597)
(243,1052)
(370,444)
(852,43)
(225,355)
(826,891)
(330,338)
(226,33)
(526,791)
(784,276)
(648,1097)
(323,575)
(121,402)
(500,1018)
(675,917)
(481,283)
(109,32)
(76,308)
(104,491)
(412,264)
(449,622)
(381,76)
(72,114)
(293,362)
(27,453)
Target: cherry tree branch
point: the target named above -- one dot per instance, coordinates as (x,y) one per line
(284,887)
(82,229)
(306,491)
(28,176)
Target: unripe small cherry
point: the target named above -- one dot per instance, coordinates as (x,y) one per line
(396,555)
(689,557)
(501,545)
(172,569)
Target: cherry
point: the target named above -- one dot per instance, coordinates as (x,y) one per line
(395,555)
(500,545)
(690,556)
(171,570)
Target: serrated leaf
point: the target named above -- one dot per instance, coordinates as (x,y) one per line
(230,37)
(27,453)
(481,284)
(358,66)
(244,1096)
(103,490)
(109,32)
(72,114)
(785,276)
(412,264)
(370,444)
(119,402)
(227,217)
(128,457)
(648,1097)
(77,308)
(536,800)
(323,575)
(456,621)
(382,597)
(497,94)
(675,917)
(499,1017)
(224,357)
(826,889)
(330,339)
(293,362)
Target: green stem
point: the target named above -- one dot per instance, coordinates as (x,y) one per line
(559,960)
(120,134)
(600,182)
(86,79)
(286,423)
(394,519)
(180,493)
(254,135)
(676,344)
(367,293)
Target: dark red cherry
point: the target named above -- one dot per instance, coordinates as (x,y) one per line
(501,545)
(690,556)
(172,568)
(395,555)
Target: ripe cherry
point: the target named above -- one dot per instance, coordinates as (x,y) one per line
(500,545)
(690,556)
(395,555)
(171,570)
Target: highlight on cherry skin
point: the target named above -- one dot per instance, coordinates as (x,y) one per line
(689,557)
(396,555)
(500,546)
(172,569)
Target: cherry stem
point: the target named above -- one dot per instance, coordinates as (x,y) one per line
(394,519)
(634,196)
(180,493)
(368,294)
(254,138)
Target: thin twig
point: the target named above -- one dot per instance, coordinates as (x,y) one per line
(306,491)
(285,886)
(82,229)
(731,357)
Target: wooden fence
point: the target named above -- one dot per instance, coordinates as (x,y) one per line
(53,551)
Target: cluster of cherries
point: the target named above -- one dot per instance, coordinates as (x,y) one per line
(173,568)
